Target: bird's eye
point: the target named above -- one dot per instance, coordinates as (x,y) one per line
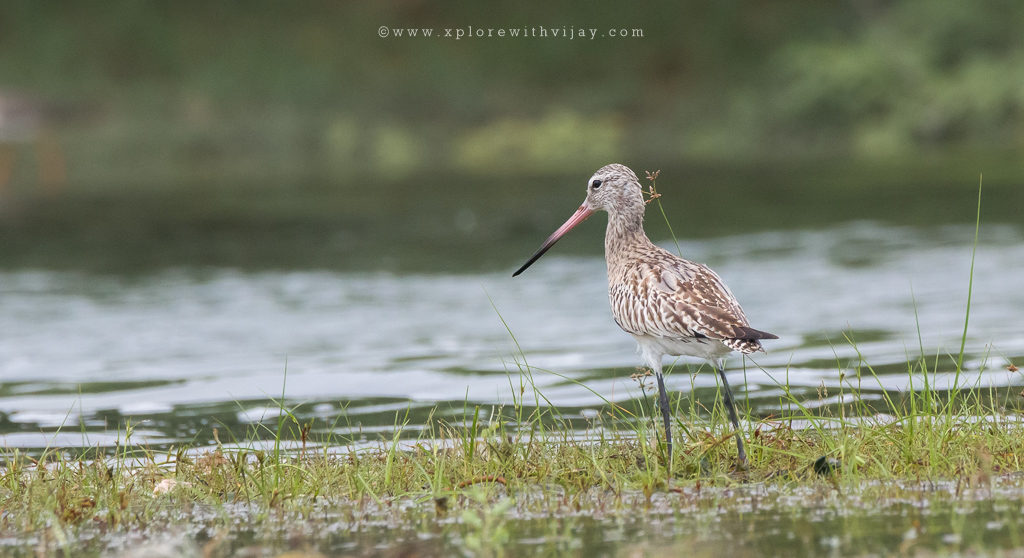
(595,184)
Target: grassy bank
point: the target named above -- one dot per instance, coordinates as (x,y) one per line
(494,465)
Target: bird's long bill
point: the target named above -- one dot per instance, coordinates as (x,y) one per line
(581,215)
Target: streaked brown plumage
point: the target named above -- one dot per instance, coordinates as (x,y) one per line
(670,305)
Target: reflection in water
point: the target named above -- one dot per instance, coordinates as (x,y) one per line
(189,350)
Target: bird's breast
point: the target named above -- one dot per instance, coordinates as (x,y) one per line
(638,309)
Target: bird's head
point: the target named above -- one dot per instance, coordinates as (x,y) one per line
(613,188)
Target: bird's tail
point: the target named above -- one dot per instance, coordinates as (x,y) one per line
(749,341)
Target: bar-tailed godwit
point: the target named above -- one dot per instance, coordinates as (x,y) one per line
(671,306)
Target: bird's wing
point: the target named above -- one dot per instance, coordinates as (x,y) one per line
(678,298)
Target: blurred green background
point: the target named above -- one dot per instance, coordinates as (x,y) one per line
(275,134)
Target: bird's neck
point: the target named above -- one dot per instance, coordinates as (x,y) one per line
(625,233)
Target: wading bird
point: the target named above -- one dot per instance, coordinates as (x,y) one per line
(671,306)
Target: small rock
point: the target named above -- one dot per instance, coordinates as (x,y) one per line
(826,465)
(164,486)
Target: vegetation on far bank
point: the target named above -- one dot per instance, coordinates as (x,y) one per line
(176,92)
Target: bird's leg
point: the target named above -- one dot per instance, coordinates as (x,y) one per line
(731,407)
(666,413)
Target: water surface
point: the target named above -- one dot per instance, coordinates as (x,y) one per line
(178,352)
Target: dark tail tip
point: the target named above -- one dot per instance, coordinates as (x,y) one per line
(751,333)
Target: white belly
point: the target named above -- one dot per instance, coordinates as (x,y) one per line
(653,348)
